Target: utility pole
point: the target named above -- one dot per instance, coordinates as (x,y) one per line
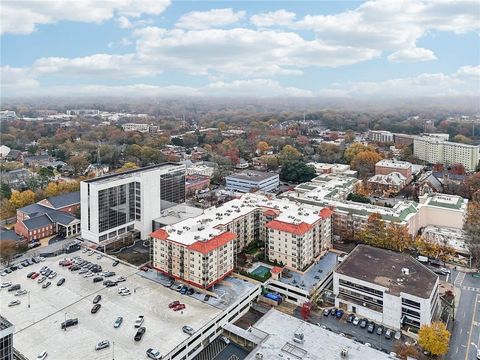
(65,322)
(113,350)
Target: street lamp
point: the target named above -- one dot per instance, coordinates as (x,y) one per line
(29,299)
(113,350)
(65,322)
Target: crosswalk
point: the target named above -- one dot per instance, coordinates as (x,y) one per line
(459,279)
(471,288)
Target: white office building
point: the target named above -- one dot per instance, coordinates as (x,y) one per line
(387,287)
(113,205)
(380,136)
(250,180)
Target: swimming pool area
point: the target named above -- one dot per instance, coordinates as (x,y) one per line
(260,271)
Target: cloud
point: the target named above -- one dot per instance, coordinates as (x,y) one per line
(271,18)
(412,55)
(255,87)
(22,17)
(17,80)
(124,23)
(199,20)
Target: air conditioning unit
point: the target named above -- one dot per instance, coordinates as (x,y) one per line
(344,353)
(259,356)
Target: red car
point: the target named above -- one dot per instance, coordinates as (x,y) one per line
(179,307)
(173,304)
(34,276)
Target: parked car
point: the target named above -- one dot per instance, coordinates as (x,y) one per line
(371,327)
(29,275)
(388,334)
(380,330)
(95,308)
(339,314)
(14,287)
(206,298)
(188,330)
(139,334)
(125,292)
(333,311)
(34,276)
(42,355)
(397,335)
(46,285)
(115,263)
(109,274)
(102,345)
(6,284)
(121,279)
(224,339)
(173,304)
(14,302)
(179,307)
(68,323)
(144,268)
(118,322)
(190,291)
(20,292)
(139,321)
(154,354)
(60,282)
(350,318)
(355,321)
(363,323)
(183,290)
(52,275)
(97,298)
(97,279)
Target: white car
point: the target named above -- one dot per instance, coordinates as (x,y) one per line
(90,253)
(88,274)
(139,321)
(84,250)
(356,321)
(3,274)
(122,289)
(6,284)
(41,258)
(52,275)
(42,355)
(125,293)
(99,257)
(14,302)
(20,292)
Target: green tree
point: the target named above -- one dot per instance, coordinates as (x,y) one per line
(5,191)
(297,171)
(79,164)
(45,174)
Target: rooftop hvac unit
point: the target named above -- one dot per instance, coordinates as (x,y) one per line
(298,338)
(196,237)
(405,271)
(259,356)
(344,353)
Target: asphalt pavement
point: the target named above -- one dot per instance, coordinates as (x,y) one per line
(465,339)
(354,332)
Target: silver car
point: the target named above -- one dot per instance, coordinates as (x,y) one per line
(102,345)
(188,330)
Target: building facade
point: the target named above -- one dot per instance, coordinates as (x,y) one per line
(388,166)
(406,293)
(435,150)
(143,128)
(116,204)
(380,136)
(251,180)
(6,339)
(202,250)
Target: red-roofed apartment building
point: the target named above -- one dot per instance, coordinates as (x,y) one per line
(202,250)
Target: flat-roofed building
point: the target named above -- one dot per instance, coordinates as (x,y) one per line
(252,180)
(116,204)
(388,166)
(387,287)
(6,339)
(202,250)
(143,128)
(442,210)
(380,136)
(457,239)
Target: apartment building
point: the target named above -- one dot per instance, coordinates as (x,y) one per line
(250,180)
(116,204)
(435,150)
(380,136)
(387,287)
(143,128)
(202,250)
(348,216)
(6,339)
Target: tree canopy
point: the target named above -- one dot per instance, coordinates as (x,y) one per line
(434,338)
(297,171)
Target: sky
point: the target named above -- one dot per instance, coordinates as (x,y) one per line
(335,49)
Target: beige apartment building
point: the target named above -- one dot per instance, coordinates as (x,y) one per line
(202,250)
(435,150)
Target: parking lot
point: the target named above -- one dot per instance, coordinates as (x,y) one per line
(354,332)
(37,328)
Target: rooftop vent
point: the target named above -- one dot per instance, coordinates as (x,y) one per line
(344,353)
(299,338)
(196,237)
(405,271)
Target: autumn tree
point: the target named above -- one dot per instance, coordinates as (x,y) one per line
(405,351)
(433,249)
(353,150)
(364,162)
(262,147)
(349,136)
(127,166)
(289,153)
(9,248)
(329,153)
(21,199)
(79,164)
(462,139)
(472,227)
(434,338)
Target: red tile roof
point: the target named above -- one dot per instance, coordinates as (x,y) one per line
(276,270)
(205,247)
(297,229)
(160,234)
(325,213)
(270,212)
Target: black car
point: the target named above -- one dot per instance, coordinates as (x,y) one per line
(363,323)
(97,279)
(97,298)
(115,263)
(333,311)
(60,282)
(30,274)
(109,283)
(139,334)
(95,308)
(371,327)
(350,318)
(68,323)
(109,274)
(206,298)
(14,287)
(190,291)
(380,330)
(36,261)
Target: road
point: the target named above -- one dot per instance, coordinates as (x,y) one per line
(465,340)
